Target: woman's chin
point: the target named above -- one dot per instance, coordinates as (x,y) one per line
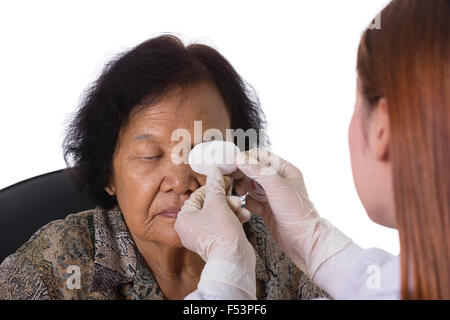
(169,236)
(174,241)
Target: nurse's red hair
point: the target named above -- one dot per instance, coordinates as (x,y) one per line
(408,62)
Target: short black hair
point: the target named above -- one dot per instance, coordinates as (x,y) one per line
(145,74)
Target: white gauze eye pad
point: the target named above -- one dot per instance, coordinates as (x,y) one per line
(213,153)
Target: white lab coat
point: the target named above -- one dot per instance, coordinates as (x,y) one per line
(353,273)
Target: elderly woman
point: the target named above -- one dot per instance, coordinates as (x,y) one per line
(120,146)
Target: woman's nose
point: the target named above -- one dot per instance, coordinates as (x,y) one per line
(180,179)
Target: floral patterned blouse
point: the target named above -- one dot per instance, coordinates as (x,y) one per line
(96,246)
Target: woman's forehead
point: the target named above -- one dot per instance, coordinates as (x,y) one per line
(182,111)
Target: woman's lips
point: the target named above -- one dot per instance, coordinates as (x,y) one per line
(170,212)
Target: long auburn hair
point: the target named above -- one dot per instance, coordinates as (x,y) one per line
(407,61)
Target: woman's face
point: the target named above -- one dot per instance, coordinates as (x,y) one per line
(369,137)
(149,186)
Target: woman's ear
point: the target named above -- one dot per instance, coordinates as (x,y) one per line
(380,133)
(111,190)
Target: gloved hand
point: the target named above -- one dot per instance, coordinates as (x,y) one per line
(302,234)
(208,226)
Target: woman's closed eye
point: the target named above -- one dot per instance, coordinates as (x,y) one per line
(152,158)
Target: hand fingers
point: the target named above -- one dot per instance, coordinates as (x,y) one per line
(249,164)
(283,167)
(215,184)
(235,204)
(266,176)
(191,206)
(195,201)
(253,167)
(267,169)
(243,215)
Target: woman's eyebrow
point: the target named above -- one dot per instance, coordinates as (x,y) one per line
(144,136)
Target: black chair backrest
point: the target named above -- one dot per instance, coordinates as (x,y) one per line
(30,204)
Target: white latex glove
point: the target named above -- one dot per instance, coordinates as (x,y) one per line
(208,226)
(302,234)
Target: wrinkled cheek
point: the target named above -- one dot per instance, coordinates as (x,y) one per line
(135,198)
(136,194)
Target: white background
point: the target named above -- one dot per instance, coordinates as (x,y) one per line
(300,56)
